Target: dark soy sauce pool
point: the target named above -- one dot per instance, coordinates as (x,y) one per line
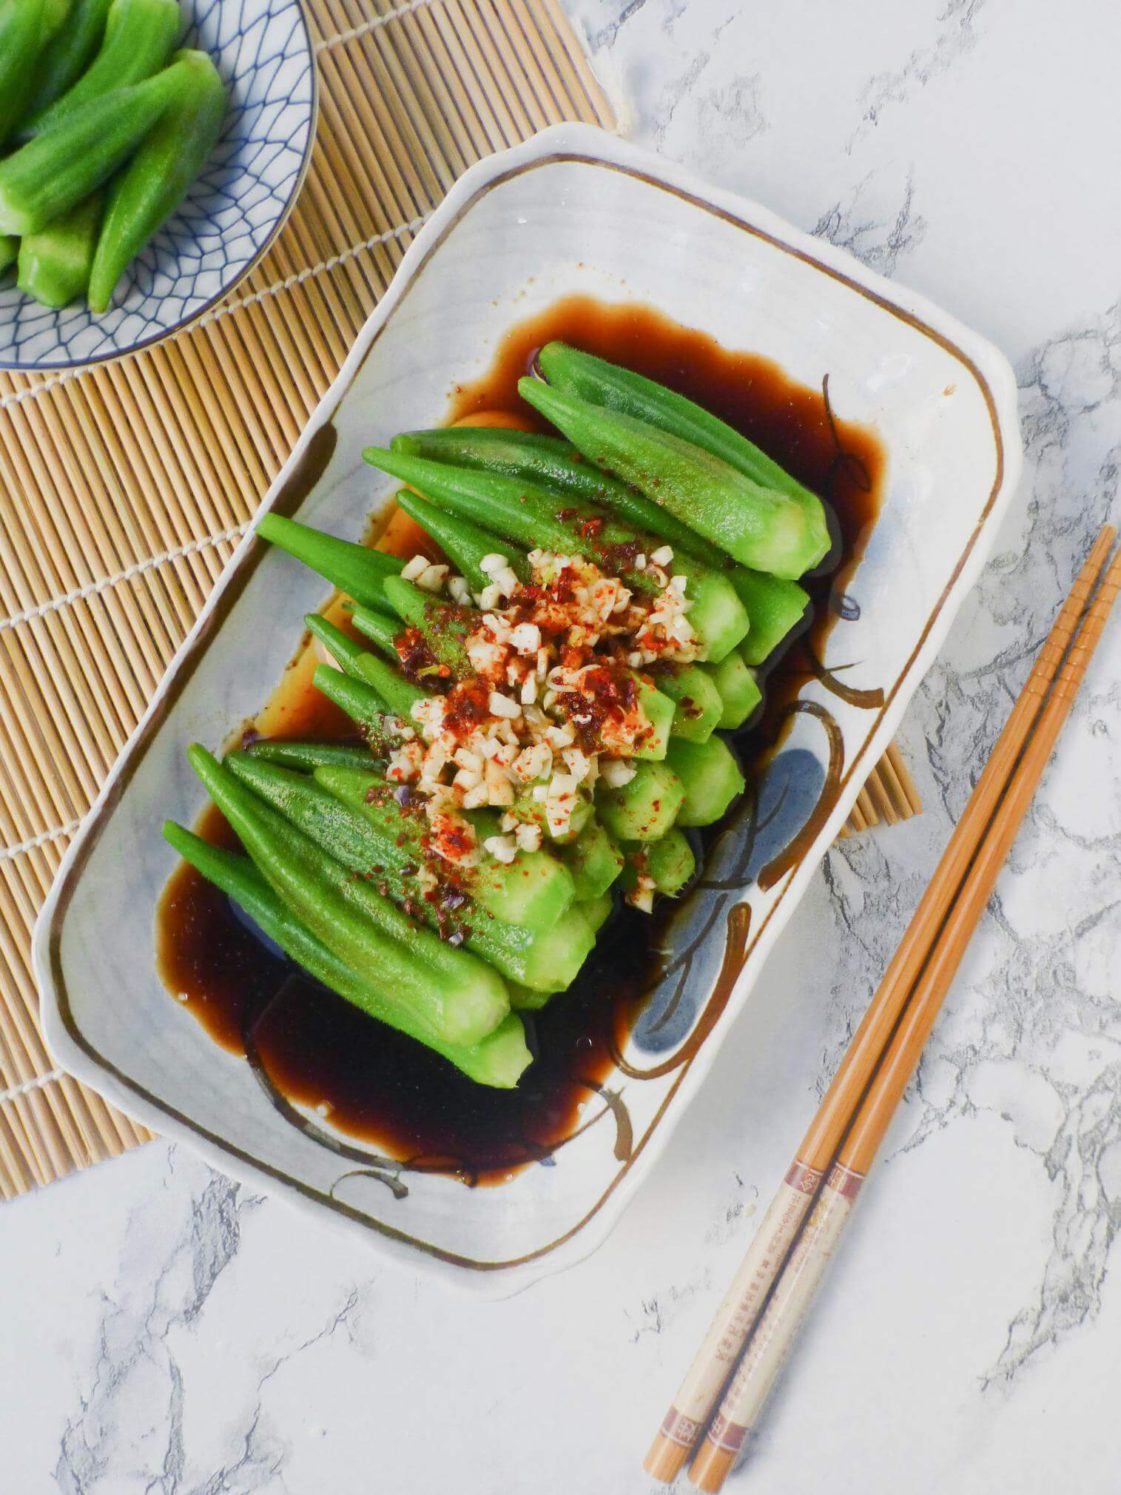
(371,1082)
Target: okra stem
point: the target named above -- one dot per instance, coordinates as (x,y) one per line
(643,809)
(464,543)
(697,701)
(710,777)
(669,863)
(775,608)
(594,861)
(355,569)
(305,756)
(739,690)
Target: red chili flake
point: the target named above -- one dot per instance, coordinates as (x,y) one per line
(455,839)
(607,693)
(591,528)
(468,706)
(417,660)
(620,558)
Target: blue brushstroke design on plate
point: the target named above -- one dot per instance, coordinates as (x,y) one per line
(264,53)
(759,830)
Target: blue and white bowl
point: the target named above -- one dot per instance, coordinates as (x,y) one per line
(232,213)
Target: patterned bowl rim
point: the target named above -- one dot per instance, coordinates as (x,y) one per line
(251,264)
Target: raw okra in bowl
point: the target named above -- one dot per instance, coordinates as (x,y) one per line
(149,151)
(528,707)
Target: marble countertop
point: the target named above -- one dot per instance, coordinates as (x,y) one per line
(167,1331)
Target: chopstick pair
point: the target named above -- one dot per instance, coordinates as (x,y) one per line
(785,1263)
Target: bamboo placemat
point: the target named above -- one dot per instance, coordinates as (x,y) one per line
(124,488)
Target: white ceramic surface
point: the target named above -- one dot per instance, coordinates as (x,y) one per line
(573,210)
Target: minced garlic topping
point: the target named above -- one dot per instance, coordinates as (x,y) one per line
(554,703)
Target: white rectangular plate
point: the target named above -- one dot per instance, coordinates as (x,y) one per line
(572,211)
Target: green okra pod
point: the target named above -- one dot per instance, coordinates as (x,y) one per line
(739,689)
(379,628)
(775,608)
(594,861)
(22,36)
(602,383)
(54,172)
(399,695)
(67,54)
(498,1060)
(305,756)
(9,252)
(466,545)
(158,177)
(597,911)
(696,698)
(140,36)
(757,526)
(355,569)
(710,777)
(532,891)
(54,264)
(550,465)
(362,704)
(643,809)
(444,626)
(669,863)
(457,997)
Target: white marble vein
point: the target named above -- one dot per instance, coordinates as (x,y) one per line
(165,1331)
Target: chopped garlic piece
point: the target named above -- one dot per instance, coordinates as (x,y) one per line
(528,837)
(615,772)
(501,848)
(432,578)
(415,567)
(501,705)
(526,638)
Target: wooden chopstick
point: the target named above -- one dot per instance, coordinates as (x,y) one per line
(803,1273)
(787,1212)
